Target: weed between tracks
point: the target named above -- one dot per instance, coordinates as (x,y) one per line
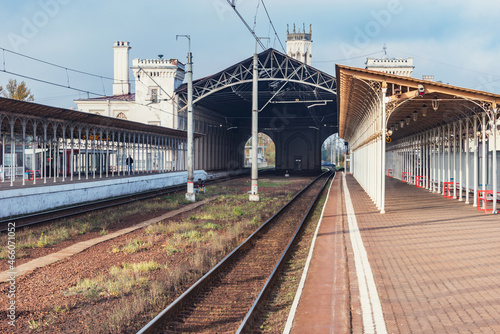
(64,229)
(121,298)
(202,239)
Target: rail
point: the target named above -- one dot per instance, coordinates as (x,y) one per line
(179,303)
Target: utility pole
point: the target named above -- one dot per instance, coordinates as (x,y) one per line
(190,195)
(254,193)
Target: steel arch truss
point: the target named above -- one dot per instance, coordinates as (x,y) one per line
(273,66)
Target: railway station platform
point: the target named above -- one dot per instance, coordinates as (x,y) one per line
(20,199)
(428,265)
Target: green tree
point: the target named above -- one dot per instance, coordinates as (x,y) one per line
(18,91)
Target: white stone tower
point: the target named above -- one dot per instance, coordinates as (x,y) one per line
(299,44)
(121,84)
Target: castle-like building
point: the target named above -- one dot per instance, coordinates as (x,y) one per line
(400,66)
(155,82)
(154,101)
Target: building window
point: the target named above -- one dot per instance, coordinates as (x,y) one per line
(121,115)
(154,95)
(154,123)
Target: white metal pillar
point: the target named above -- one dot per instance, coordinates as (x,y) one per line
(467,148)
(23,123)
(455,165)
(494,158)
(71,163)
(476,161)
(384,130)
(460,173)
(443,172)
(484,158)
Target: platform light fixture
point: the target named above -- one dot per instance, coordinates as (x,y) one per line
(396,126)
(402,123)
(424,110)
(415,115)
(435,103)
(408,119)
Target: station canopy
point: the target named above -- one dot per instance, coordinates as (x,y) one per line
(432,104)
(39,112)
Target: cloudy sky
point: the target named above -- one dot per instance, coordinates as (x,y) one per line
(456,41)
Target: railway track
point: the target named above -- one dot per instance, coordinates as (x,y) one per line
(226,299)
(73,210)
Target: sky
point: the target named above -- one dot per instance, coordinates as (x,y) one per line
(457,41)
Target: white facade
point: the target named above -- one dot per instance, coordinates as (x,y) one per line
(155,83)
(299,45)
(400,66)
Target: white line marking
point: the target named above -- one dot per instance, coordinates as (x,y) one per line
(293,309)
(373,317)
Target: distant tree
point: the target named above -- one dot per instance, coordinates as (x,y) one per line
(18,91)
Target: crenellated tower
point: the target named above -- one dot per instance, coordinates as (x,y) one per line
(299,44)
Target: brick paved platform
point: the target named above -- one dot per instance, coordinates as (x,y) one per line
(435,264)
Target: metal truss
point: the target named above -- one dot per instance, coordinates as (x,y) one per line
(273,66)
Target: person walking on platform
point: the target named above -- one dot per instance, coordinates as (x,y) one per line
(129,162)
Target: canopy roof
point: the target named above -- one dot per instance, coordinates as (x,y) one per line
(308,94)
(41,112)
(359,95)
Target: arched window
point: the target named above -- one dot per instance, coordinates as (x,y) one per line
(121,115)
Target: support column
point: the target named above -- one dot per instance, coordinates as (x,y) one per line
(454,160)
(467,148)
(23,123)
(460,146)
(443,174)
(56,153)
(384,130)
(449,154)
(494,158)
(45,126)
(101,161)
(476,161)
(71,163)
(484,159)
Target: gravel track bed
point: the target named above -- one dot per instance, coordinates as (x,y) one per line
(222,306)
(43,303)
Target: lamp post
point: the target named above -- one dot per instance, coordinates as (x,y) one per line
(190,195)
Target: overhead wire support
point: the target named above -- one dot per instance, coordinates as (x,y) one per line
(272,25)
(233,5)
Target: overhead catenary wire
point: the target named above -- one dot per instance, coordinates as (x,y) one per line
(233,5)
(272,25)
(52,83)
(68,86)
(52,64)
